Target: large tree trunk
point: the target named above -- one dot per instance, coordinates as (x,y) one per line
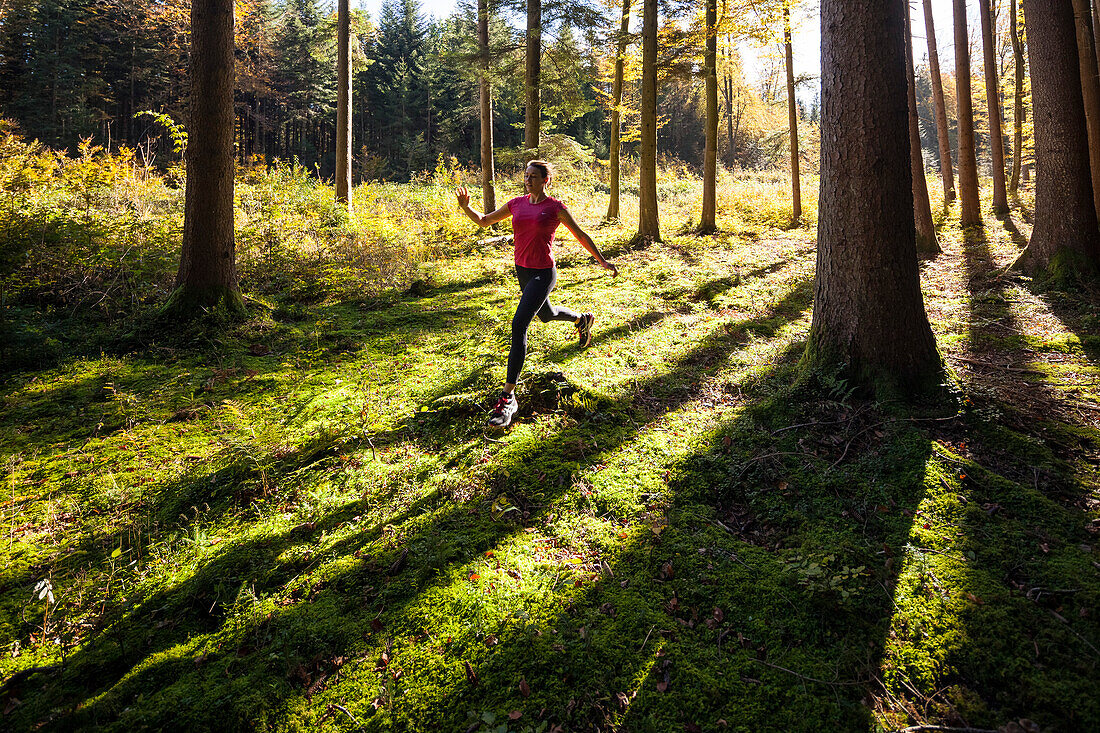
(1017,101)
(207,276)
(927,243)
(993,107)
(616,113)
(710,151)
(648,225)
(533,74)
(343,104)
(868,319)
(1064,240)
(942,133)
(1090,90)
(792,117)
(970,213)
(488,191)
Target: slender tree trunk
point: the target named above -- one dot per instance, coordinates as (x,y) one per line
(207,275)
(710,151)
(993,107)
(970,214)
(648,223)
(927,243)
(488,174)
(792,117)
(1017,100)
(532,76)
(943,135)
(343,104)
(1090,90)
(1096,30)
(727,92)
(1065,241)
(616,113)
(868,318)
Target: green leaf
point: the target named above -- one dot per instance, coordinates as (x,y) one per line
(488,717)
(116,553)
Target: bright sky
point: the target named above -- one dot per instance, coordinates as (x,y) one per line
(807,35)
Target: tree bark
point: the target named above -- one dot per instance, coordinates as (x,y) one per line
(533,75)
(488,173)
(648,223)
(343,104)
(616,113)
(1064,241)
(869,322)
(993,108)
(1017,101)
(207,276)
(942,133)
(1090,90)
(792,117)
(970,213)
(710,150)
(927,243)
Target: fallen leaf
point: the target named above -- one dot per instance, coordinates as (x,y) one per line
(471,676)
(662,686)
(515,715)
(474,577)
(524,688)
(491,640)
(718,615)
(376,624)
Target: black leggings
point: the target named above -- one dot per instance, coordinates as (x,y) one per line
(536,285)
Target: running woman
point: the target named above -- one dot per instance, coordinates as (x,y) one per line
(535,219)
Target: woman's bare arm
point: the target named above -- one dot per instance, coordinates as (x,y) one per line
(482,220)
(586,241)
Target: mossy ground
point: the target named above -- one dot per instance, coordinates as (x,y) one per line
(300,523)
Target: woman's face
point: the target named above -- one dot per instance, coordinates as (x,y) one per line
(533,180)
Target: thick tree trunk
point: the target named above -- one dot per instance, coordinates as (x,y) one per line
(648,224)
(792,117)
(1064,241)
(488,173)
(868,319)
(927,243)
(942,132)
(970,213)
(1017,101)
(533,75)
(343,104)
(710,151)
(993,107)
(207,276)
(616,113)
(1090,90)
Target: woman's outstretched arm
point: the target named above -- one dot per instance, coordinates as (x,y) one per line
(482,220)
(586,241)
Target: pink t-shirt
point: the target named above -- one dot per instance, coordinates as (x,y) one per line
(533,226)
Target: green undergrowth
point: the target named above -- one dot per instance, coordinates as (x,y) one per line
(299,522)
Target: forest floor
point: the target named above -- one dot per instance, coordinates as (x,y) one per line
(302,524)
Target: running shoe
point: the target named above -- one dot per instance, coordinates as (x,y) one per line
(505,408)
(584,329)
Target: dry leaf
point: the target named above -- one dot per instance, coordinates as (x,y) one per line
(471,676)
(515,715)
(524,688)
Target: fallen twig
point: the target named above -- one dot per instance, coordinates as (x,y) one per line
(23,674)
(344,710)
(805,677)
(943,729)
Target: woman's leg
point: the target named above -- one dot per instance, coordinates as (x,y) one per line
(536,286)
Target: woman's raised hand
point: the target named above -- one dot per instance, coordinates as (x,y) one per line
(463,197)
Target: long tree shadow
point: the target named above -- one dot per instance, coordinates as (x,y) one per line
(102,662)
(977,637)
